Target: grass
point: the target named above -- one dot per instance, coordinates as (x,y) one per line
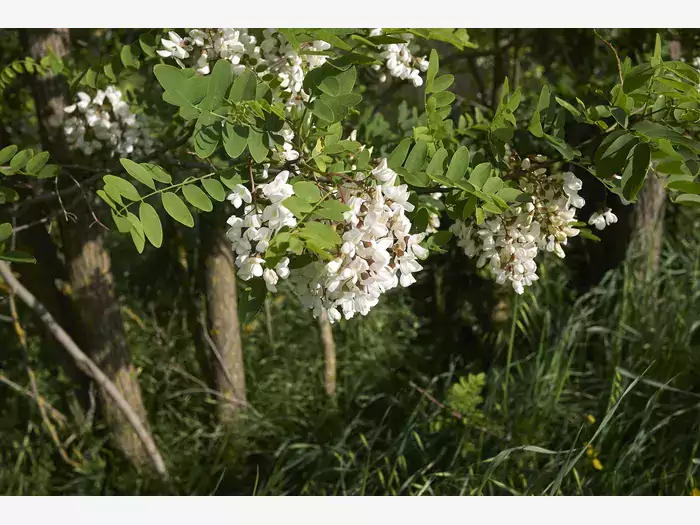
(584,394)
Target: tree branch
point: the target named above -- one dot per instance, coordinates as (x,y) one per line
(88,366)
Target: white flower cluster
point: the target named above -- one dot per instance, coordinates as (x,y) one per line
(510,242)
(251,234)
(400,61)
(378,252)
(602,218)
(105,121)
(241,48)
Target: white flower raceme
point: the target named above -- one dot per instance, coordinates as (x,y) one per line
(400,61)
(602,219)
(377,253)
(105,121)
(509,242)
(250,235)
(241,48)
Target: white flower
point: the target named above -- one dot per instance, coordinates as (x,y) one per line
(270,278)
(602,219)
(282,268)
(240,195)
(278,189)
(384,174)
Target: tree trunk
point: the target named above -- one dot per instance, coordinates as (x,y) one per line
(224,326)
(646,222)
(93,292)
(329,375)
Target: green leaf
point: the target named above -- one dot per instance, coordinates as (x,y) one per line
(322,110)
(138,172)
(20,160)
(436,166)
(152,227)
(157,173)
(298,206)
(480,216)
(562,147)
(37,162)
(656,57)
(458,164)
(214,189)
(331,86)
(416,158)
(102,194)
(113,193)
(444,98)
(433,64)
(8,195)
(5,231)
(123,186)
(637,77)
(543,101)
(656,131)
(636,170)
(196,197)
(535,126)
(688,199)
(509,194)
(235,139)
(492,185)
(469,207)
(442,83)
(397,156)
(176,208)
(136,231)
(170,77)
(480,175)
(17,256)
(147,44)
(230,182)
(308,191)
(685,186)
(219,82)
(128,58)
(7,153)
(323,234)
(346,80)
(49,171)
(206,134)
(251,300)
(611,154)
(256,145)
(332,210)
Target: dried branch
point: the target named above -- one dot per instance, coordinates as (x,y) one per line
(22,336)
(617,58)
(88,366)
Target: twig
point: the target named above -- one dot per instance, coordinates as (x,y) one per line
(44,220)
(617,58)
(58,416)
(454,413)
(87,201)
(252,182)
(88,366)
(72,216)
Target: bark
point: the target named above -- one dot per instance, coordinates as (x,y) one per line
(329,375)
(97,308)
(224,325)
(646,222)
